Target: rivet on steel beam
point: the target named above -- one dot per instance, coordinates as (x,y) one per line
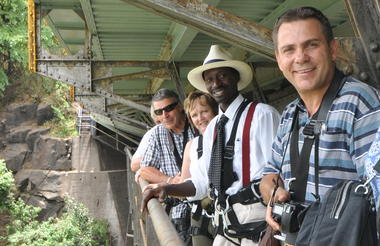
(363,76)
(374,47)
(378,65)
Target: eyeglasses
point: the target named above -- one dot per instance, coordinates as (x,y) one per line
(167,109)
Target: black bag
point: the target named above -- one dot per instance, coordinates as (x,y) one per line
(346,216)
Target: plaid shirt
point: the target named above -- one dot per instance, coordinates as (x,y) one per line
(160,154)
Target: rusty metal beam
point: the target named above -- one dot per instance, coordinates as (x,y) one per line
(166,51)
(57,34)
(110,63)
(214,22)
(365,19)
(125,63)
(155,73)
(90,21)
(78,74)
(177,82)
(258,93)
(95,106)
(105,93)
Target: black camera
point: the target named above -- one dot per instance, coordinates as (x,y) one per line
(287,214)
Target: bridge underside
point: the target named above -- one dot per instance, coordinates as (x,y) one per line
(118,53)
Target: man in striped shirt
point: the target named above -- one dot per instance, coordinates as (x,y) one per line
(305,51)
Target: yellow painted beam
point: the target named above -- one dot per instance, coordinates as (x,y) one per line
(32,36)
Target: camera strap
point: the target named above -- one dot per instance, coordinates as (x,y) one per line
(300,163)
(177,155)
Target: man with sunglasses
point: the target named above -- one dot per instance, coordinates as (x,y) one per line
(163,159)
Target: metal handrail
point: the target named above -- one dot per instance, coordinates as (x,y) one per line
(165,231)
(105,133)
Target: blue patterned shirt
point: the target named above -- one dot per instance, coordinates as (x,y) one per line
(349,130)
(372,158)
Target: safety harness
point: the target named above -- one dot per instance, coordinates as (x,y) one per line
(197,214)
(249,194)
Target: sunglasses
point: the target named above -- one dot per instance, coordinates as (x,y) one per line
(167,109)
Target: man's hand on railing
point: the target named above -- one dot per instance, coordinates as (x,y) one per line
(151,175)
(153,191)
(176,179)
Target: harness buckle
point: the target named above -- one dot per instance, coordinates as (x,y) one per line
(229,152)
(313,128)
(224,213)
(365,186)
(211,193)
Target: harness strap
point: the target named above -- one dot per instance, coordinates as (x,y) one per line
(198,212)
(250,230)
(203,229)
(246,147)
(221,232)
(228,174)
(200,146)
(300,162)
(248,195)
(176,153)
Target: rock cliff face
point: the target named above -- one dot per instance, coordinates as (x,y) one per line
(35,158)
(47,169)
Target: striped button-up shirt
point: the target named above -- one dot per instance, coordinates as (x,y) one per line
(349,130)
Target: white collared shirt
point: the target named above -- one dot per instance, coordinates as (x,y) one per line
(263,130)
(143,146)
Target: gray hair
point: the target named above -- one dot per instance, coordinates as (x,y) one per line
(163,94)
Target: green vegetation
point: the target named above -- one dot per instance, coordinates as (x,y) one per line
(73,228)
(13,39)
(21,85)
(64,123)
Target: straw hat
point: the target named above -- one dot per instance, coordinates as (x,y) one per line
(219,57)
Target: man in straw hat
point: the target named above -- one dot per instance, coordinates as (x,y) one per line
(239,213)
